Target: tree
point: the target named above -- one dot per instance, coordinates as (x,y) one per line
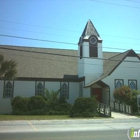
(7,68)
(123,94)
(52,97)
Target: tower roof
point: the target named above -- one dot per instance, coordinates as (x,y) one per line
(90,30)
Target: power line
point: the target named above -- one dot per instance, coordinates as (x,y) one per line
(62,29)
(116,4)
(39,26)
(133,1)
(69,36)
(37,32)
(66,43)
(67,55)
(37,39)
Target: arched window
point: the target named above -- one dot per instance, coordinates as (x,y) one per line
(132,85)
(64,91)
(40,88)
(118,84)
(8,90)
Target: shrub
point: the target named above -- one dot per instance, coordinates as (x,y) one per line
(133,101)
(37,102)
(84,107)
(123,94)
(51,97)
(127,96)
(19,104)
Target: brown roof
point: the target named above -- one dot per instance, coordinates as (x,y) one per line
(42,63)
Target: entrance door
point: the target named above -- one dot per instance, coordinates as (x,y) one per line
(98,93)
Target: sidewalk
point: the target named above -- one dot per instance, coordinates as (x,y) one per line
(118,115)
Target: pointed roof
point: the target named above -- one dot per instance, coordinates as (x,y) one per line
(112,63)
(90,30)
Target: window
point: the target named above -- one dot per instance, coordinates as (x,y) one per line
(132,84)
(118,83)
(64,91)
(8,89)
(39,88)
(93,51)
(81,52)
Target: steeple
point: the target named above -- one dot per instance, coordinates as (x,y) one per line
(89,50)
(90,30)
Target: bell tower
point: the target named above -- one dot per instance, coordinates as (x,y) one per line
(90,61)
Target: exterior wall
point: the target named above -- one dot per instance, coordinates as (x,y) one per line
(5,104)
(55,86)
(105,96)
(125,71)
(27,89)
(90,68)
(86,92)
(73,92)
(24,88)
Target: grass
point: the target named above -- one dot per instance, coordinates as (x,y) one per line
(32,117)
(40,117)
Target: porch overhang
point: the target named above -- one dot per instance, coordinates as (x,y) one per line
(99,82)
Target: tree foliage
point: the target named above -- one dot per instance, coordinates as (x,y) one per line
(7,68)
(52,97)
(127,96)
(122,94)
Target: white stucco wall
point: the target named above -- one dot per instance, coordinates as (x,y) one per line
(24,88)
(73,92)
(55,86)
(125,71)
(5,104)
(91,68)
(105,95)
(86,92)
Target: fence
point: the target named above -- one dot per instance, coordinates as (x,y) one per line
(127,109)
(104,109)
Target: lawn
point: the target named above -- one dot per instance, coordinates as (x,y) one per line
(33,117)
(40,117)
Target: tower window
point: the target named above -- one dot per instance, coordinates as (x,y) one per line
(93,51)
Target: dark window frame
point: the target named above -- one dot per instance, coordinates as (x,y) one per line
(64,92)
(122,81)
(93,51)
(132,80)
(37,91)
(8,90)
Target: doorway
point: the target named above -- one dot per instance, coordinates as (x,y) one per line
(98,93)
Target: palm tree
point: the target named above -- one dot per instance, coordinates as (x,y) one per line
(52,97)
(7,68)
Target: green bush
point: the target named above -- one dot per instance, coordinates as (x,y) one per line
(19,104)
(123,94)
(133,101)
(84,107)
(36,102)
(127,96)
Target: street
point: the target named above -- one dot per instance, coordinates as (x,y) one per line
(78,129)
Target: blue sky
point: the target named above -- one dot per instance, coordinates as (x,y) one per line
(118,22)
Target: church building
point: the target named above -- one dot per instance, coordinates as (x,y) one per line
(84,72)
